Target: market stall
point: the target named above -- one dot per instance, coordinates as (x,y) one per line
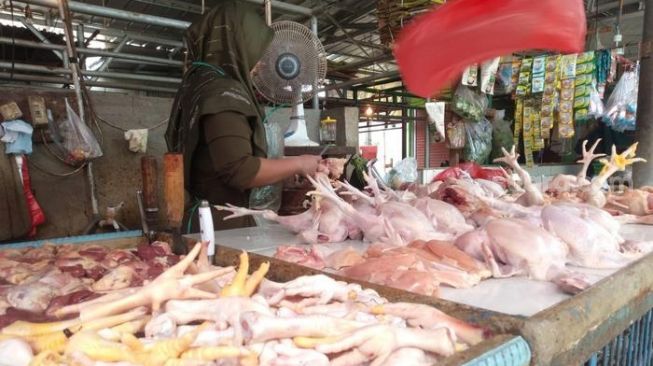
(533,309)
(61,342)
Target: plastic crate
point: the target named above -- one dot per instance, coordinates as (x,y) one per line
(633,347)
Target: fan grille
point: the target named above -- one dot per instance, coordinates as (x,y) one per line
(293,67)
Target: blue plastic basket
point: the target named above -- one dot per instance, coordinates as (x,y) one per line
(633,347)
(512,353)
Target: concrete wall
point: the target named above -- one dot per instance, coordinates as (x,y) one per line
(118,174)
(66,200)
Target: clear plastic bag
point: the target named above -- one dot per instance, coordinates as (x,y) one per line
(456,134)
(621,109)
(269,197)
(404,172)
(77,140)
(479,141)
(468,104)
(596,108)
(502,135)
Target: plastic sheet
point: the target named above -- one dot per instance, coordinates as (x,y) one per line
(435,49)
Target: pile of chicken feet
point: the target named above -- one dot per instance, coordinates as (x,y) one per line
(198,314)
(519,231)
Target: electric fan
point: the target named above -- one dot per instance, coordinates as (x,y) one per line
(291,72)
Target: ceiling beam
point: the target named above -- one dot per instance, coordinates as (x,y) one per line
(175,5)
(113,13)
(110,32)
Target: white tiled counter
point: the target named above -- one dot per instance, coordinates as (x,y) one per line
(513,296)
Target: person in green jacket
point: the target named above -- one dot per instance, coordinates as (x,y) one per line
(216,120)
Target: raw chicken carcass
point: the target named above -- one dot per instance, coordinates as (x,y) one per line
(322,223)
(285,353)
(533,196)
(563,183)
(592,193)
(377,342)
(590,244)
(513,247)
(305,256)
(428,317)
(397,222)
(344,258)
(444,217)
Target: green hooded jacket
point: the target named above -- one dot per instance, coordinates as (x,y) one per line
(216,121)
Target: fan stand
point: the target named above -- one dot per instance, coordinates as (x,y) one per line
(297,130)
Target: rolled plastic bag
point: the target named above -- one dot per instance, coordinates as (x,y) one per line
(435,49)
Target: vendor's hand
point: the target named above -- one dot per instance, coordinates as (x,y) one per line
(308,164)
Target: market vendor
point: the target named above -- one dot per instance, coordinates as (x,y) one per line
(216,121)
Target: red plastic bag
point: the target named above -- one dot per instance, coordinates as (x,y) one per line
(38,217)
(475,171)
(436,48)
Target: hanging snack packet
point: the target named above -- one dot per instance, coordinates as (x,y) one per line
(470,76)
(539,66)
(566,107)
(488,75)
(550,94)
(524,83)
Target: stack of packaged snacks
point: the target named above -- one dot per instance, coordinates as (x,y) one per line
(550,94)
(585,71)
(566,107)
(524,81)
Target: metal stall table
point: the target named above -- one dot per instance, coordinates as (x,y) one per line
(607,324)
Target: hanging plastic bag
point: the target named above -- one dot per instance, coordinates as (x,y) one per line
(456,134)
(489,75)
(479,141)
(502,135)
(621,109)
(435,49)
(269,197)
(468,104)
(435,111)
(596,108)
(78,141)
(404,172)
